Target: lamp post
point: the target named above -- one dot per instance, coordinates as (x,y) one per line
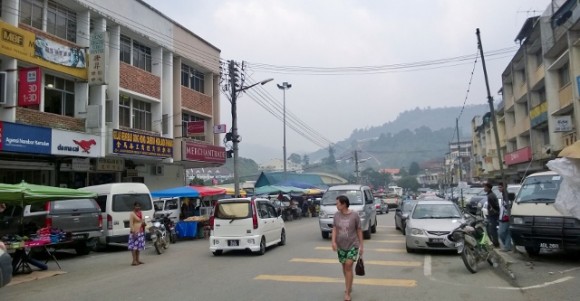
(284,86)
(235,138)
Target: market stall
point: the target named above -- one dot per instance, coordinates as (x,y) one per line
(22,245)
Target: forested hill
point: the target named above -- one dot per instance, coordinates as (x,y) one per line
(416,135)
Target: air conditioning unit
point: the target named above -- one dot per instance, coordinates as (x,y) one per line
(157,170)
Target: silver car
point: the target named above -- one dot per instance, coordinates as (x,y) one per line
(429,224)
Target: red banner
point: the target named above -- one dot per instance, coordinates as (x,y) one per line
(519,156)
(196,128)
(203,153)
(29,86)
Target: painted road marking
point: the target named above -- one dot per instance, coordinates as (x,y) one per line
(385,226)
(366,249)
(388,241)
(367,262)
(357,280)
(427,266)
(390,235)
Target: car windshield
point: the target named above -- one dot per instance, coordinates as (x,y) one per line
(539,189)
(354,196)
(233,210)
(125,202)
(435,211)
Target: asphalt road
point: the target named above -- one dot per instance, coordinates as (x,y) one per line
(305,269)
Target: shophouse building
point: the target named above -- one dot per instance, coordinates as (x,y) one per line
(101,91)
(540,114)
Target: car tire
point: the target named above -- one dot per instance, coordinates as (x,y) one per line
(282,238)
(217,252)
(325,235)
(397,225)
(410,250)
(367,233)
(82,249)
(262,250)
(374,227)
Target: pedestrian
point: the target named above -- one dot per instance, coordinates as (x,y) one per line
(492,214)
(504,221)
(137,233)
(347,240)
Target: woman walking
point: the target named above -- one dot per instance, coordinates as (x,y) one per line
(137,233)
(347,240)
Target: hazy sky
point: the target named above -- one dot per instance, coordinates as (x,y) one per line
(352,33)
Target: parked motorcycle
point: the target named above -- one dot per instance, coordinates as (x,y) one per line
(472,242)
(170,226)
(159,234)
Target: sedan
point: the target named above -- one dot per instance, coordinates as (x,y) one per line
(429,224)
(402,213)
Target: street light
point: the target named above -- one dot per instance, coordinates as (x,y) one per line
(235,138)
(285,86)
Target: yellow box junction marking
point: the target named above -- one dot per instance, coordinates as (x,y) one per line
(367,262)
(359,281)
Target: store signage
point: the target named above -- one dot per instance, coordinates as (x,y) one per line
(203,152)
(98,58)
(196,128)
(79,164)
(219,129)
(519,156)
(26,46)
(20,138)
(110,164)
(539,114)
(125,142)
(562,123)
(29,86)
(75,144)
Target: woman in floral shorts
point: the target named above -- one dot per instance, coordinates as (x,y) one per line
(137,233)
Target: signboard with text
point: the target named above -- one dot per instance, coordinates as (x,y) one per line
(196,128)
(98,58)
(199,152)
(130,143)
(563,123)
(75,144)
(20,138)
(29,86)
(519,156)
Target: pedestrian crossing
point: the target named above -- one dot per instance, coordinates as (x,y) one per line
(384,252)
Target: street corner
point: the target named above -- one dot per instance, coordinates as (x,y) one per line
(525,271)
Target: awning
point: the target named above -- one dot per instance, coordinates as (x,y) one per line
(25,193)
(275,189)
(188,191)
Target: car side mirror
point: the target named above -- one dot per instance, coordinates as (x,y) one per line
(511,196)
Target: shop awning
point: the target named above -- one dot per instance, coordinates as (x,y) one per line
(25,193)
(188,191)
(209,190)
(230,190)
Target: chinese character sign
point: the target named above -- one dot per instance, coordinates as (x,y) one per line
(29,86)
(140,144)
(98,58)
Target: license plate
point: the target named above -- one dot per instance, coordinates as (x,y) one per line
(436,240)
(78,237)
(550,246)
(233,243)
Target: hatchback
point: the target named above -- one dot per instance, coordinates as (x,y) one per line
(245,224)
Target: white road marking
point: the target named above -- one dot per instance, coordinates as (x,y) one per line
(509,288)
(427,266)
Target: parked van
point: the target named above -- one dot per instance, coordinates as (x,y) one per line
(361,201)
(535,223)
(116,201)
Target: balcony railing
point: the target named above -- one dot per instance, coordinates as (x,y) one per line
(569,139)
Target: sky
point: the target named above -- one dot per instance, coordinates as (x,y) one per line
(328,36)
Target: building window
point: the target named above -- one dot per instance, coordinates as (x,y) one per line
(564,75)
(140,53)
(192,78)
(124,111)
(141,115)
(185,118)
(61,22)
(31,13)
(59,96)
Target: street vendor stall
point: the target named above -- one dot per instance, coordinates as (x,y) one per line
(21,245)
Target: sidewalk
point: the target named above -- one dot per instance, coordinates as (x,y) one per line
(525,271)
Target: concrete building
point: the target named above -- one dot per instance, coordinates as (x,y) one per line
(458,158)
(101,91)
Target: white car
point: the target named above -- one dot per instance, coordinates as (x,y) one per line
(245,224)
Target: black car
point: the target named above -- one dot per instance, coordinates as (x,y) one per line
(5,267)
(401,214)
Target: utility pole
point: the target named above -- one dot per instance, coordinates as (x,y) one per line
(233,72)
(491,109)
(284,86)
(356,172)
(459,151)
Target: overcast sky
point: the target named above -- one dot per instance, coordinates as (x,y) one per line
(352,33)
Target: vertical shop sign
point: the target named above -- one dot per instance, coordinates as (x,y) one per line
(98,58)
(29,86)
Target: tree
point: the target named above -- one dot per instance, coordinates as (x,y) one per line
(330,161)
(305,160)
(409,183)
(295,158)
(196,181)
(414,168)
(375,178)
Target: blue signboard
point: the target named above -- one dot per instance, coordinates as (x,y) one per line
(20,138)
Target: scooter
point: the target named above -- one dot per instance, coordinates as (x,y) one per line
(473,243)
(159,234)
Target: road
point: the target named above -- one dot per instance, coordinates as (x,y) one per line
(305,269)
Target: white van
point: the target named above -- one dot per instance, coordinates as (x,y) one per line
(361,201)
(116,201)
(535,223)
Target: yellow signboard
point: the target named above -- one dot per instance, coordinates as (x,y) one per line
(539,109)
(20,44)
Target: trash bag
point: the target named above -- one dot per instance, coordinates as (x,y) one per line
(568,198)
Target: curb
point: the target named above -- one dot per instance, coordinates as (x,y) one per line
(506,263)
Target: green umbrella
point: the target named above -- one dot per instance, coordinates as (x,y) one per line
(25,193)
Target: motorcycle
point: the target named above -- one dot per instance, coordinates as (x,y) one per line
(473,243)
(170,225)
(159,234)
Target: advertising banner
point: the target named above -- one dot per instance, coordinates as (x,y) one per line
(98,58)
(75,144)
(519,156)
(196,128)
(125,142)
(20,138)
(23,45)
(193,151)
(29,86)
(563,123)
